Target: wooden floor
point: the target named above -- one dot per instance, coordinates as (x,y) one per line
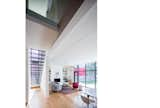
(56,100)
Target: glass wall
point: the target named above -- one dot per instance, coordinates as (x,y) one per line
(82,73)
(86,75)
(91,75)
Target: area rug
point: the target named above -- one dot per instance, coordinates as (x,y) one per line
(68,90)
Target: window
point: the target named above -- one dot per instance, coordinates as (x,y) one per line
(91,75)
(36,63)
(86,75)
(82,73)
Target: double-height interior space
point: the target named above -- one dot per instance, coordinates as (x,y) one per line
(61,54)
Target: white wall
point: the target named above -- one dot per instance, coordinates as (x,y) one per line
(56,69)
(77,44)
(27,78)
(45,79)
(39,36)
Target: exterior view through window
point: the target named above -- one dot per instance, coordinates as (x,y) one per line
(36,64)
(86,75)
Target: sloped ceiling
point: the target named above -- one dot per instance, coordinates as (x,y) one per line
(79,43)
(39,36)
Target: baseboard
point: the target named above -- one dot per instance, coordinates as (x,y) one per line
(35,87)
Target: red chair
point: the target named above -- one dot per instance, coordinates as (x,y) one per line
(75,85)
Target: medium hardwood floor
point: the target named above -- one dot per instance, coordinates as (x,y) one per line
(56,100)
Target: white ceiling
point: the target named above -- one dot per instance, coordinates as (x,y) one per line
(77,44)
(39,36)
